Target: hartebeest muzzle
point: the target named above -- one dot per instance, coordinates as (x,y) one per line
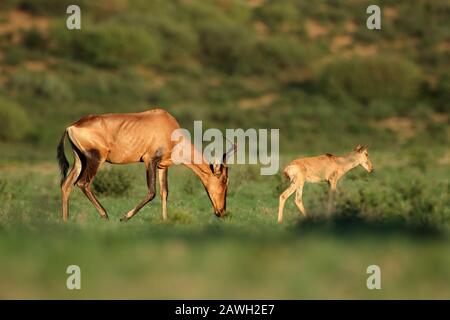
(220,213)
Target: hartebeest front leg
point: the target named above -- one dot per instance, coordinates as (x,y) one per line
(331,195)
(163,190)
(151,166)
(299,200)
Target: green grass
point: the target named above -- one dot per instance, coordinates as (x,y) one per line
(230,65)
(140,262)
(380,219)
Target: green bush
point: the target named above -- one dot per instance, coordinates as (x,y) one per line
(443,94)
(277,54)
(16,124)
(3,184)
(112,182)
(277,14)
(41,84)
(108,46)
(189,184)
(14,56)
(242,175)
(225,46)
(108,87)
(53,7)
(34,39)
(369,79)
(178,41)
(414,200)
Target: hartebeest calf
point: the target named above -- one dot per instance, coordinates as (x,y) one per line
(328,167)
(129,138)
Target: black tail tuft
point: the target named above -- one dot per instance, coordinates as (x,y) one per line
(62,160)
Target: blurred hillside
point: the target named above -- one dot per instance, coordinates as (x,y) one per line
(312,69)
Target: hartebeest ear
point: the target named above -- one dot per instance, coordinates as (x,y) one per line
(360,148)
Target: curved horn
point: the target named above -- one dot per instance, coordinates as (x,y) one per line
(229,152)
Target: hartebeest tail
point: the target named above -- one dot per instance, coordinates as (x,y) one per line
(327,167)
(129,138)
(62,160)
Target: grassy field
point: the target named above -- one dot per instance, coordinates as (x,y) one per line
(312,69)
(395,218)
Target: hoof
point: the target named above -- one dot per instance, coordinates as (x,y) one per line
(106,218)
(124,219)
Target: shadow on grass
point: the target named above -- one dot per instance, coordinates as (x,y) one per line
(351,222)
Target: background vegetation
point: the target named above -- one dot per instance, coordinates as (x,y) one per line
(312,69)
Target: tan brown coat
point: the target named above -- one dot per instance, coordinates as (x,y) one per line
(129,138)
(327,167)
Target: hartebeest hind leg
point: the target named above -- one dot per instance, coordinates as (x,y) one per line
(283,197)
(67,185)
(93,163)
(163,190)
(151,166)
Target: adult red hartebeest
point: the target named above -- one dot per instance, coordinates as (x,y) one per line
(129,138)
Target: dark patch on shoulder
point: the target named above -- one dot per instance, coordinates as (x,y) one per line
(94,155)
(158,155)
(329,155)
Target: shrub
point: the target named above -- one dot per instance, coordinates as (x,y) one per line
(34,39)
(225,46)
(13,56)
(15,121)
(112,182)
(3,184)
(190,184)
(108,46)
(40,84)
(277,14)
(443,94)
(107,87)
(369,79)
(182,217)
(413,202)
(54,7)
(240,175)
(277,54)
(178,41)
